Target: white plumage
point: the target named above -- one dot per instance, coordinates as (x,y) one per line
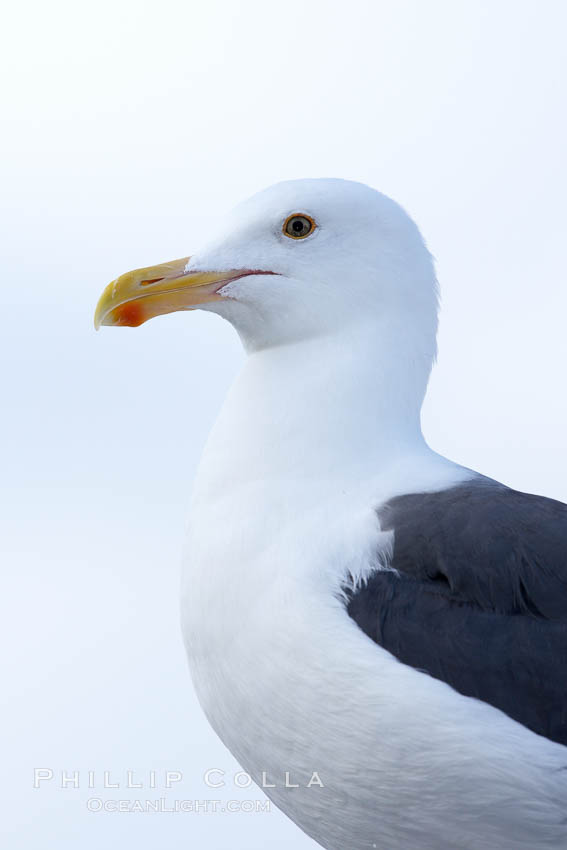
(322,426)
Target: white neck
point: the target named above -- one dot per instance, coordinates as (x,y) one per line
(337,405)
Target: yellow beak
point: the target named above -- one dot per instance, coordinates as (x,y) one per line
(137,296)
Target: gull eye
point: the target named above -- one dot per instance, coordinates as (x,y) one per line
(298,226)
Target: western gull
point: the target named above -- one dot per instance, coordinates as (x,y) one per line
(378,634)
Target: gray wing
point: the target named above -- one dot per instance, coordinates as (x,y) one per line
(478,598)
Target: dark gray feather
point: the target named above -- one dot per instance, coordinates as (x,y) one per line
(479,599)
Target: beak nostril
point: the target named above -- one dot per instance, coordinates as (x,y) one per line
(153,280)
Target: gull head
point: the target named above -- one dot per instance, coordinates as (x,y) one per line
(301,259)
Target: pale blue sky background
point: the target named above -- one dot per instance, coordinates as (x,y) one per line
(126,128)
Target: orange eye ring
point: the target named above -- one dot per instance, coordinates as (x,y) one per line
(298,226)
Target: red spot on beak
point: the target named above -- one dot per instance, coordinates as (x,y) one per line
(130,314)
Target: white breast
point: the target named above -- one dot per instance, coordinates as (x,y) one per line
(290,683)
